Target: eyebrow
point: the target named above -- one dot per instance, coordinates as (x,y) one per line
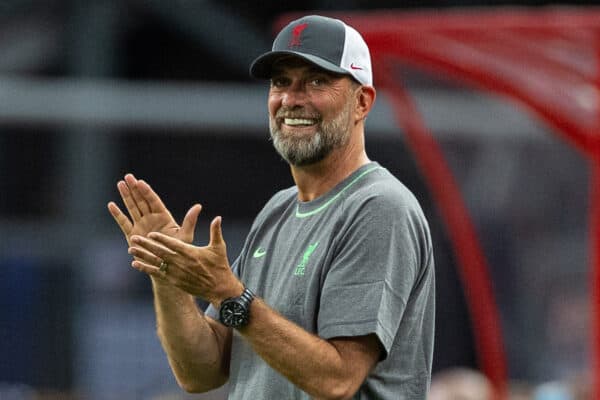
(311,69)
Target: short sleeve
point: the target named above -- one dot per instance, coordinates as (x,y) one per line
(374,269)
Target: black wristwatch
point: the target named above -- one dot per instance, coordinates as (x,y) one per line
(235,311)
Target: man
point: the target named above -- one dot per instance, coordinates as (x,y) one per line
(332,296)
(459,383)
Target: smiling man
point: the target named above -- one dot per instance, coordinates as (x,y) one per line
(332,296)
(298,91)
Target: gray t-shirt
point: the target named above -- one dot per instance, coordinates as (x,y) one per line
(356,261)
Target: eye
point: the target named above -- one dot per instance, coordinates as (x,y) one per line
(317,81)
(279,81)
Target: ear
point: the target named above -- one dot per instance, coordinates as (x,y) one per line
(365,98)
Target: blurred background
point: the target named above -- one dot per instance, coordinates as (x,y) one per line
(92,90)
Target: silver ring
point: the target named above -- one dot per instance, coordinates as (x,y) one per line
(163,266)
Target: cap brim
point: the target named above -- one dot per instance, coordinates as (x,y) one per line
(262,67)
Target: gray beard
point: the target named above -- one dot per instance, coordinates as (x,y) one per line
(302,151)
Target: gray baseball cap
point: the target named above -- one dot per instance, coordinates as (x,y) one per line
(326,42)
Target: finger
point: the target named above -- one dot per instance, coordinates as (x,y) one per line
(120,218)
(189,221)
(132,184)
(142,254)
(216,234)
(130,179)
(132,208)
(172,244)
(147,268)
(154,247)
(153,200)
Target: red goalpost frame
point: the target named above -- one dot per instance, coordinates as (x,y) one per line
(546,59)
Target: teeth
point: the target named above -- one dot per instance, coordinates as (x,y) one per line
(298,121)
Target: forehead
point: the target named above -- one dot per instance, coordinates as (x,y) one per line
(287,64)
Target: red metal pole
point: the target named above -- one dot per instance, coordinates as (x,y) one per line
(595,275)
(472,264)
(595,239)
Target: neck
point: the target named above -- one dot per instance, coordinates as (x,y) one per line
(317,179)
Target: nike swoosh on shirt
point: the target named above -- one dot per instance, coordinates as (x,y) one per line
(258,253)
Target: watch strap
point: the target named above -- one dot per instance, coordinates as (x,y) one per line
(247,296)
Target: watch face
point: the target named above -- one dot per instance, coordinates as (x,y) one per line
(233,314)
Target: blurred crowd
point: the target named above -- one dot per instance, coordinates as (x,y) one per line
(469,384)
(456,383)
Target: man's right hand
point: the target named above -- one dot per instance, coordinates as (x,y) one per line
(147,212)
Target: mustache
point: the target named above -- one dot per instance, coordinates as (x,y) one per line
(296,113)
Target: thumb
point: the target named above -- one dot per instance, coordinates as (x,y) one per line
(216,234)
(188,225)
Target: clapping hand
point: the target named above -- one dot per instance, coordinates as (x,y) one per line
(200,271)
(147,213)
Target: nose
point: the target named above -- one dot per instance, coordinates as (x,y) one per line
(294,95)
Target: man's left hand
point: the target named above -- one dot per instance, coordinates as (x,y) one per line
(200,271)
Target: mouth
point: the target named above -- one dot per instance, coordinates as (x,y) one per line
(299,121)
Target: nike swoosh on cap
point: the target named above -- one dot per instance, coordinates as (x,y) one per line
(354,66)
